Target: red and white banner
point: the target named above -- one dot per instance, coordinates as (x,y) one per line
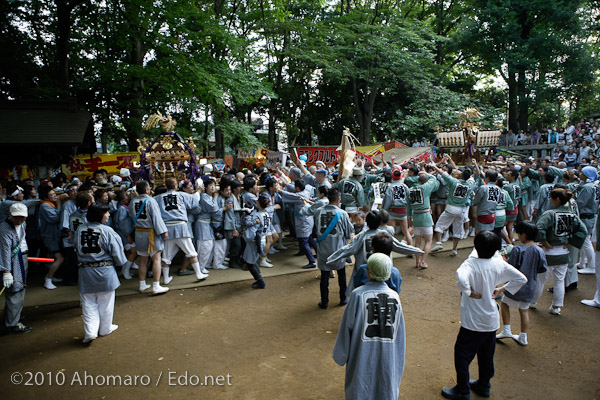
(327,154)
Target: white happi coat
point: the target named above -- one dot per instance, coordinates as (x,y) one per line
(337,238)
(371,342)
(174,208)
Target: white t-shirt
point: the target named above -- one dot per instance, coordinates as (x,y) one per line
(21,236)
(584,152)
(481,276)
(569,137)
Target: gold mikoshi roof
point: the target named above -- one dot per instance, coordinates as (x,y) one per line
(167,148)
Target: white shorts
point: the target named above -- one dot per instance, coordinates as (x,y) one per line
(423,230)
(447,219)
(172,246)
(530,207)
(522,305)
(483,227)
(466,214)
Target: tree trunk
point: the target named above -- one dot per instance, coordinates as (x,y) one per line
(364,105)
(370,108)
(523,101)
(361,101)
(64,8)
(206,131)
(439,11)
(512,102)
(272,130)
(133,124)
(219,118)
(277,89)
(526,27)
(104,135)
(63,28)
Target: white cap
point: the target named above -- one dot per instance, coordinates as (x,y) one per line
(208,168)
(116,179)
(18,210)
(125,173)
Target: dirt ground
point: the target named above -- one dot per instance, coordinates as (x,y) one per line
(276,344)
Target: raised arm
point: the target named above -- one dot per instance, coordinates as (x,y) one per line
(302,168)
(450,160)
(476,172)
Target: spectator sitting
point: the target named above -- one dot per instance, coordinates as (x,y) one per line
(584,151)
(511,138)
(571,158)
(521,139)
(552,136)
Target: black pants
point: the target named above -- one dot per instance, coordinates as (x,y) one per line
(325,285)
(290,221)
(71,269)
(498,232)
(236,249)
(305,244)
(468,344)
(255,271)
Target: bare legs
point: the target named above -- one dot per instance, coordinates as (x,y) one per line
(406,232)
(58,260)
(156,265)
(421,259)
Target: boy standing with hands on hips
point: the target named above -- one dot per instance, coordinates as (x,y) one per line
(478,277)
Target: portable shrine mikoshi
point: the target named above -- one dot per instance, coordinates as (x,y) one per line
(168,155)
(470,142)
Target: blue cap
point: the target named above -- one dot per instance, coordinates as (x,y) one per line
(590,173)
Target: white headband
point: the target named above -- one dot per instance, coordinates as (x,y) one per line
(16,192)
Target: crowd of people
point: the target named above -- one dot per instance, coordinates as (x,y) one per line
(107,225)
(578,143)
